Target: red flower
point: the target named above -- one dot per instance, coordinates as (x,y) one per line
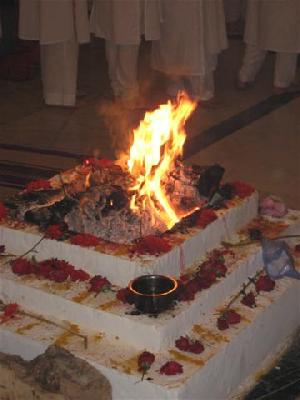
(21,266)
(297,248)
(99,283)
(101,163)
(182,343)
(191,346)
(242,189)
(85,240)
(249,300)
(232,317)
(222,323)
(229,317)
(152,244)
(39,184)
(196,347)
(9,311)
(145,360)
(58,275)
(207,278)
(220,269)
(205,217)
(3,211)
(79,275)
(125,296)
(171,368)
(55,270)
(54,232)
(265,284)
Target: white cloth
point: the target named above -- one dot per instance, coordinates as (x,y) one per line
(59,26)
(192,34)
(273,25)
(53,21)
(285,66)
(124,21)
(122,67)
(59,72)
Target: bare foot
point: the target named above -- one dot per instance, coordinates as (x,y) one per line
(241,85)
(293,88)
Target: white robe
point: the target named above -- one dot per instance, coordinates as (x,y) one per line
(273,25)
(124,21)
(60,26)
(192,32)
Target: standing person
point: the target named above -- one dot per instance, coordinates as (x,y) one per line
(122,23)
(192,35)
(271,25)
(60,26)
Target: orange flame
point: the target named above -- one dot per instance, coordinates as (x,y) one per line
(158,141)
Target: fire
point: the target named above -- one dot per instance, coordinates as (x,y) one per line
(158,142)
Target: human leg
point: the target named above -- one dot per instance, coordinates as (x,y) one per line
(252,62)
(59,72)
(285,69)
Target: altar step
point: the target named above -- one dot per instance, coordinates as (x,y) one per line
(104,312)
(119,266)
(229,356)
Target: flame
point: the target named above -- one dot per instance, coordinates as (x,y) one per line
(158,142)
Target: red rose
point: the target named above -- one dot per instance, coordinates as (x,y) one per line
(207,278)
(242,189)
(196,347)
(171,368)
(297,248)
(9,311)
(145,360)
(249,300)
(21,266)
(220,269)
(229,317)
(39,184)
(265,284)
(54,232)
(99,283)
(205,217)
(182,343)
(125,296)
(101,163)
(3,211)
(79,275)
(85,240)
(152,244)
(232,317)
(58,275)
(222,323)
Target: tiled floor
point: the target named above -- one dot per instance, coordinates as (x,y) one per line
(260,133)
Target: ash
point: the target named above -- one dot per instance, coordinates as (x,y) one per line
(96,200)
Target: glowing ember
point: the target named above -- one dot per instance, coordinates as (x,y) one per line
(158,142)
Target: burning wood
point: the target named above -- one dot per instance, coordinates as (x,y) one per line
(149,195)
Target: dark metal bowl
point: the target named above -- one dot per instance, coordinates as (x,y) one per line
(153,293)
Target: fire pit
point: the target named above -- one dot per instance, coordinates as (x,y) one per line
(153,293)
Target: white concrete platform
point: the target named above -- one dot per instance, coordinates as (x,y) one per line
(120,269)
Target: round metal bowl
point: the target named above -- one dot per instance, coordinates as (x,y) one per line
(153,293)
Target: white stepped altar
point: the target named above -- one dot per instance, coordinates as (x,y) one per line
(116,337)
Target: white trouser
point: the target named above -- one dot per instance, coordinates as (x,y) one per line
(59,63)
(123,69)
(285,66)
(202,87)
